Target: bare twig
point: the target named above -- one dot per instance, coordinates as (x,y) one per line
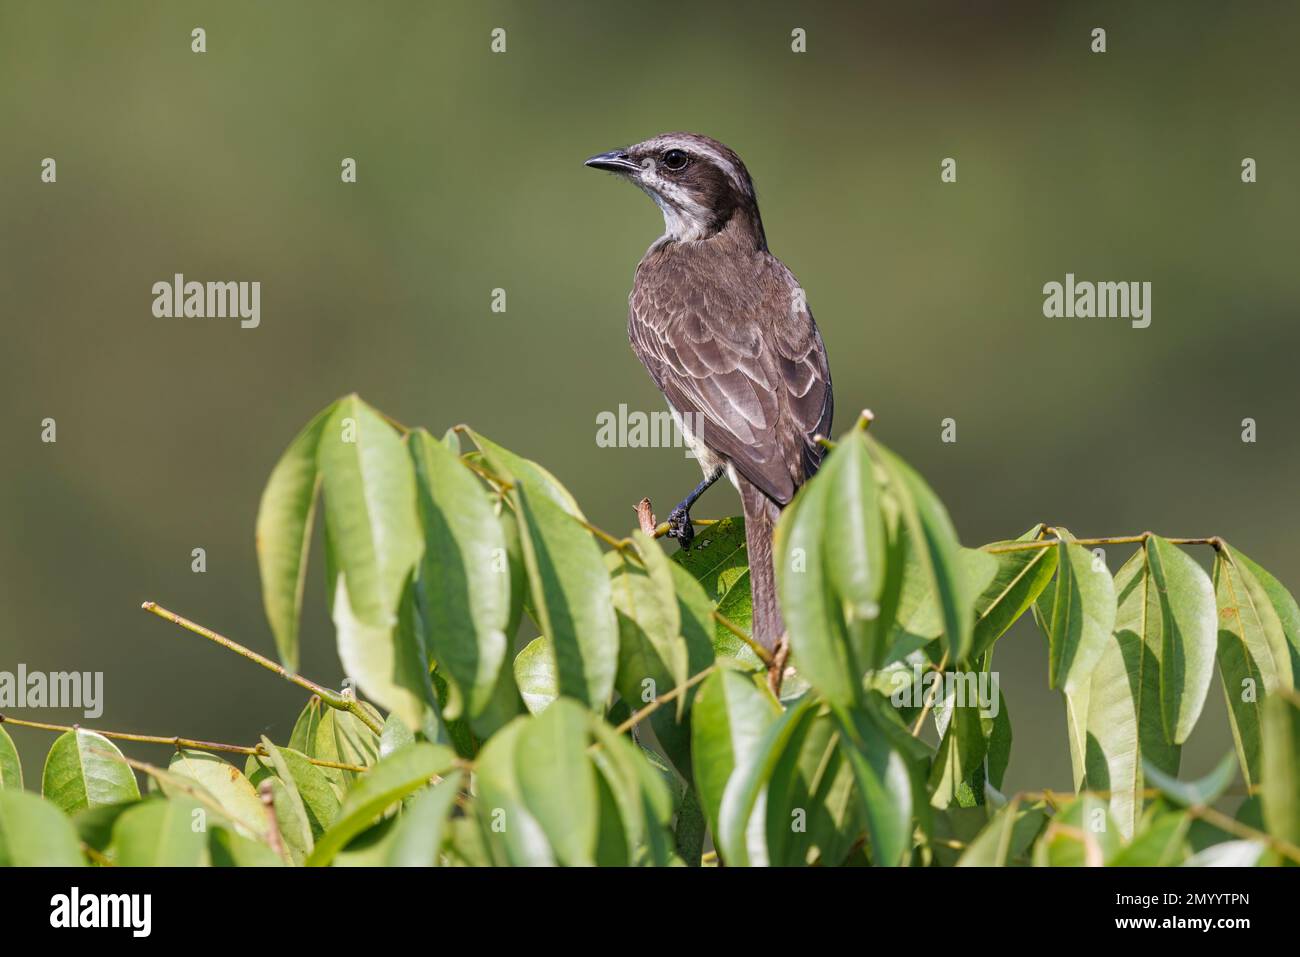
(176,742)
(335,699)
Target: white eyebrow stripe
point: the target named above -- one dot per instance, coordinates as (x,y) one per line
(659,144)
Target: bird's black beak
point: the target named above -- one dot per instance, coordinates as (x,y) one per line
(616,161)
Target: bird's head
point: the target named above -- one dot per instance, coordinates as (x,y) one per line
(700,185)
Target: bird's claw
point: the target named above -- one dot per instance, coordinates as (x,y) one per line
(680,527)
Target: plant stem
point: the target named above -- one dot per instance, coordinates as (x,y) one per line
(920,718)
(764,655)
(335,699)
(1214,541)
(664,698)
(177,742)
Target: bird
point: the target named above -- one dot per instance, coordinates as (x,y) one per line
(725,331)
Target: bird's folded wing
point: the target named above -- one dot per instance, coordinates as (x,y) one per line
(755,388)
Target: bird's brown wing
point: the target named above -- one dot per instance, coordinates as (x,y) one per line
(741,358)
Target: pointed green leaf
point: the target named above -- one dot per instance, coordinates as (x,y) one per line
(228,848)
(571,596)
(511,833)
(85,769)
(1204,790)
(884,786)
(1020,578)
(1253,655)
(284,521)
(423,825)
(373,541)
(1082,616)
(11,768)
(1007,837)
(464,584)
(33,833)
(557,782)
(1189,634)
(1280,796)
(401,773)
(225,783)
(732,710)
(534,670)
(509,467)
(931,532)
(160,833)
(741,834)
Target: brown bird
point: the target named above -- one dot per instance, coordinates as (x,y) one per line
(725,331)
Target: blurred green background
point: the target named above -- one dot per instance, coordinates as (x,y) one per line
(225,166)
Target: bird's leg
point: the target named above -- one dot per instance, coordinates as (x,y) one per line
(679,519)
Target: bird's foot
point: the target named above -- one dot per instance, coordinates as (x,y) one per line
(680,527)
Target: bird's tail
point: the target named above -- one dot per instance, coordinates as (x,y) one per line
(761,514)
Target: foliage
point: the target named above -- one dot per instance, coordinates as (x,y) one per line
(639,724)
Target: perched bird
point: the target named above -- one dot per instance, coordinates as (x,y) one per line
(725,331)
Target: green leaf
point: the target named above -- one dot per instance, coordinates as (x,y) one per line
(422,827)
(1229,854)
(813,812)
(1280,796)
(509,467)
(297,826)
(1288,612)
(1253,656)
(741,834)
(1019,579)
(884,786)
(11,768)
(828,580)
(342,737)
(737,606)
(635,795)
(225,784)
(998,732)
(1188,630)
(33,833)
(373,542)
(510,832)
(931,533)
(227,848)
(160,833)
(85,769)
(284,521)
(1161,841)
(1082,834)
(534,670)
(401,773)
(960,760)
(464,583)
(557,782)
(303,736)
(1081,618)
(651,646)
(571,596)
(1115,719)
(1202,791)
(717,558)
(319,798)
(732,711)
(1007,837)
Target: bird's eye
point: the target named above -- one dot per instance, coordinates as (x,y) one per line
(676,160)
